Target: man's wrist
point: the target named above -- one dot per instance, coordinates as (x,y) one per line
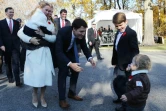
(90,58)
(69,64)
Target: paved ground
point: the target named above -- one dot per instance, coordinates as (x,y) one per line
(93,85)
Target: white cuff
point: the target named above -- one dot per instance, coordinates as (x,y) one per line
(69,63)
(89,59)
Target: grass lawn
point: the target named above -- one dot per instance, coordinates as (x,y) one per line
(157,47)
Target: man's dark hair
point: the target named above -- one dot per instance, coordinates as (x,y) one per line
(78,22)
(63,10)
(8,8)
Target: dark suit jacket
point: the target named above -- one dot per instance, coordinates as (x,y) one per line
(63,41)
(57,22)
(91,37)
(8,39)
(127,48)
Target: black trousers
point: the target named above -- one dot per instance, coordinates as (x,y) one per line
(22,58)
(96,46)
(119,83)
(12,64)
(1,60)
(62,75)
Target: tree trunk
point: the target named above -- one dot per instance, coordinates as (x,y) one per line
(118,4)
(114,4)
(149,31)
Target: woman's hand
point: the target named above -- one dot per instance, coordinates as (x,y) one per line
(34,41)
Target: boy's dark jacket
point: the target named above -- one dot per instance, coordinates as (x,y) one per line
(137,95)
(127,48)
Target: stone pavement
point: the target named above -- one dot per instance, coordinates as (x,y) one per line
(94,85)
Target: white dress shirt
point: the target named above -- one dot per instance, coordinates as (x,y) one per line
(61,22)
(117,40)
(8,21)
(71,44)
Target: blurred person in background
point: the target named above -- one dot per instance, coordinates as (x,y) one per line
(10,45)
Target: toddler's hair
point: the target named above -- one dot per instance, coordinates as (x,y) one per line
(142,61)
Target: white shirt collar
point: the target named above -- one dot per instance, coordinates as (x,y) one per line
(73,36)
(7,19)
(138,72)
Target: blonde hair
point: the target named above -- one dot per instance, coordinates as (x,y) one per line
(142,62)
(41,5)
(52,18)
(118,18)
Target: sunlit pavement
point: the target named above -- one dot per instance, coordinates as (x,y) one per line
(94,85)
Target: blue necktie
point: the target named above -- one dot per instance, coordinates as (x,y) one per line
(76,51)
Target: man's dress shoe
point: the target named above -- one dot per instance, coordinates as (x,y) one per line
(11,80)
(19,84)
(63,104)
(77,98)
(100,58)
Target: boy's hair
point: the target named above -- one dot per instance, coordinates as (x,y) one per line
(142,62)
(8,8)
(78,22)
(119,18)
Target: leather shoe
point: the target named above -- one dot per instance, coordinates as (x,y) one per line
(63,104)
(77,98)
(100,58)
(117,101)
(19,84)
(11,80)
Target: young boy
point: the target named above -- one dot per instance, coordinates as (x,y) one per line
(138,85)
(124,49)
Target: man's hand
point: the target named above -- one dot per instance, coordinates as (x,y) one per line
(123,98)
(76,67)
(90,43)
(3,48)
(40,32)
(54,32)
(34,41)
(93,63)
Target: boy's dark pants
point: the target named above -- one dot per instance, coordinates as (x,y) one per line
(129,108)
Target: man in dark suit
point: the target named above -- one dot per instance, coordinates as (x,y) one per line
(94,41)
(124,49)
(10,44)
(67,57)
(62,21)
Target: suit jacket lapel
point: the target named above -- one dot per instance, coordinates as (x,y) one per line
(122,36)
(6,24)
(69,37)
(59,25)
(14,25)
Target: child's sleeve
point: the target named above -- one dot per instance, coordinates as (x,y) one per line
(22,36)
(41,21)
(136,91)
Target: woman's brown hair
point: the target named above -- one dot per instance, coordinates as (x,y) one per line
(41,5)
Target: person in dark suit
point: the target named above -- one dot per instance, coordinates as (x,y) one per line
(124,49)
(10,44)
(62,21)
(93,40)
(67,57)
